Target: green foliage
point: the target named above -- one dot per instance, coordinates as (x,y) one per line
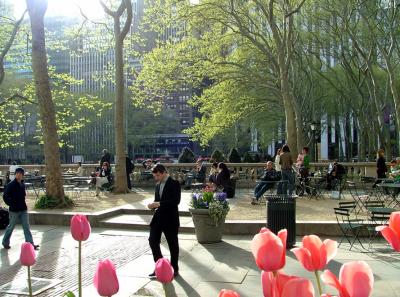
(257,158)
(68,294)
(186,156)
(49,202)
(234,156)
(248,158)
(217,156)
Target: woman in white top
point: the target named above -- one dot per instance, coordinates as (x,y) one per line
(277,161)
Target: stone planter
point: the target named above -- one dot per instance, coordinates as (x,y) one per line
(205,228)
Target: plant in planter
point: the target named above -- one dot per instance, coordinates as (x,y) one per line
(208,211)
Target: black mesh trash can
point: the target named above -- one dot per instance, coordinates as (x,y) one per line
(281,214)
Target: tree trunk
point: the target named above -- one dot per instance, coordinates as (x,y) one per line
(120,169)
(119,36)
(54,183)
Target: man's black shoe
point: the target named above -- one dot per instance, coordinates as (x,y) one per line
(35,247)
(7,247)
(152,275)
(176,273)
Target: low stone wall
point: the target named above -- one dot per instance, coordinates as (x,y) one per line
(245,173)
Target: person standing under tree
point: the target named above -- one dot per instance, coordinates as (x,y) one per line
(166,216)
(381,168)
(286,162)
(14,197)
(129,169)
(105,158)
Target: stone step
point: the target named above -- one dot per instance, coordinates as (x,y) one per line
(232,227)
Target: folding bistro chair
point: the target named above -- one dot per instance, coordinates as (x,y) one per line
(359,197)
(349,226)
(379,215)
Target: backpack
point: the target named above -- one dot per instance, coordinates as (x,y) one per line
(4,218)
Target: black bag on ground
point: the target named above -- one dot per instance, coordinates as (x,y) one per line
(4,218)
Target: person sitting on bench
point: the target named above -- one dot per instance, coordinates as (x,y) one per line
(335,174)
(267,181)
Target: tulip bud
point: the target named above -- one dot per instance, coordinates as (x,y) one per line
(28,256)
(105,279)
(228,293)
(164,271)
(80,227)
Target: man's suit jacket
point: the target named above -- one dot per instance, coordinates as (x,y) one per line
(167,215)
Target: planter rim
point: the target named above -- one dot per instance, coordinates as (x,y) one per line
(199,210)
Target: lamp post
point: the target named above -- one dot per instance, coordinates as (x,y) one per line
(313,127)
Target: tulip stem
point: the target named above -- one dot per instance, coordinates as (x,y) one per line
(318,282)
(80,269)
(29,281)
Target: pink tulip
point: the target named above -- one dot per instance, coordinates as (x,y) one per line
(355,279)
(228,293)
(164,271)
(392,232)
(80,227)
(315,254)
(299,287)
(28,256)
(273,284)
(105,279)
(269,250)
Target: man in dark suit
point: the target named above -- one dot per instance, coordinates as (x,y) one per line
(166,217)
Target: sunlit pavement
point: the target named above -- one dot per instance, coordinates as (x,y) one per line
(204,269)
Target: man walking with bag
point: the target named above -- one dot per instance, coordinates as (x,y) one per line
(14,197)
(166,217)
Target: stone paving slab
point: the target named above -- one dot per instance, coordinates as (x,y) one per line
(204,269)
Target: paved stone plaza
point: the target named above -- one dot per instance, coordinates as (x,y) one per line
(204,269)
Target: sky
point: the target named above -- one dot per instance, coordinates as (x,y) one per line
(68,8)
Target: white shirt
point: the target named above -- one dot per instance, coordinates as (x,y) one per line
(12,171)
(277,165)
(162,184)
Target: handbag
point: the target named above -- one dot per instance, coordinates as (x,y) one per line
(4,218)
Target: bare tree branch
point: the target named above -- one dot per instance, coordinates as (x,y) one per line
(9,44)
(296,10)
(15,96)
(128,21)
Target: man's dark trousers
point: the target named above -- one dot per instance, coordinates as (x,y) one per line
(171,234)
(166,220)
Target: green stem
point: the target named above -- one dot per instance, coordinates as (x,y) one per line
(318,282)
(29,281)
(80,269)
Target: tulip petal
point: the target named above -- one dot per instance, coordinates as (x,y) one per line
(318,254)
(264,230)
(394,222)
(391,237)
(269,286)
(105,279)
(80,227)
(282,234)
(330,279)
(281,280)
(228,293)
(164,271)
(298,287)
(331,249)
(304,257)
(357,278)
(267,249)
(28,255)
